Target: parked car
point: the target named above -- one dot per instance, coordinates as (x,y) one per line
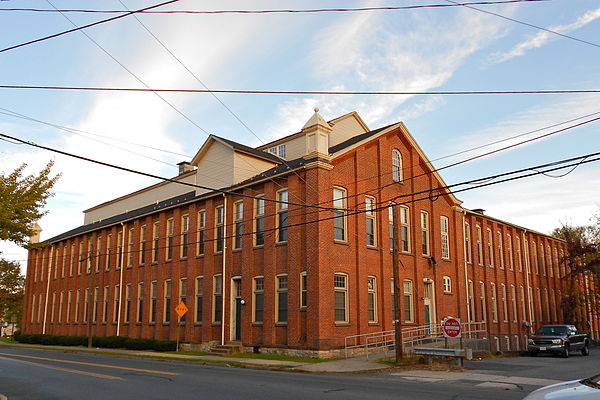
(585,389)
(558,339)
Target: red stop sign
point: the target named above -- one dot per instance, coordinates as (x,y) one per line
(451,327)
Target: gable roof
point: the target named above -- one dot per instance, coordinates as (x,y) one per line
(234,146)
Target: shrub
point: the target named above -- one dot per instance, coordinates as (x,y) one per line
(165,345)
(139,344)
(109,342)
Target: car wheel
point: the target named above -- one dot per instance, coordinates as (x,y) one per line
(565,352)
(585,350)
(533,353)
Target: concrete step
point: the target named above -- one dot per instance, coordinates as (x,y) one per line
(226,349)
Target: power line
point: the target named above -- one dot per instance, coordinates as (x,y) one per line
(526,24)
(85,26)
(273,11)
(384,204)
(305,92)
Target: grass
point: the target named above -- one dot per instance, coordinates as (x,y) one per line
(187,353)
(280,358)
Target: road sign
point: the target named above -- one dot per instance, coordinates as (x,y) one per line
(451,327)
(181,309)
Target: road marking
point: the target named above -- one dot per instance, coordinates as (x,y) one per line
(73,371)
(92,364)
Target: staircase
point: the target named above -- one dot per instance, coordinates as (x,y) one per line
(226,349)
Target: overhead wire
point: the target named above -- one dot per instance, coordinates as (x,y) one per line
(80,28)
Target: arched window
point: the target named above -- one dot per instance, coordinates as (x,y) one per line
(396,166)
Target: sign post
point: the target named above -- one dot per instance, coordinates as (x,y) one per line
(181,309)
(451,328)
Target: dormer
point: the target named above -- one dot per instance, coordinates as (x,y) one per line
(316,133)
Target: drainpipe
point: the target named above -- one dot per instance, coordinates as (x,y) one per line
(464,213)
(50,260)
(527,272)
(223,291)
(121,279)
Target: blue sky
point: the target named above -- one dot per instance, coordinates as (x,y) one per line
(435,49)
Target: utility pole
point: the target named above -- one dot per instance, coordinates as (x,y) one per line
(395,266)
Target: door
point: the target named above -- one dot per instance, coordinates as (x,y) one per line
(238,319)
(236,315)
(429,305)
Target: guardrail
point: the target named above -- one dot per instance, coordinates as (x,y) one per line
(431,352)
(411,337)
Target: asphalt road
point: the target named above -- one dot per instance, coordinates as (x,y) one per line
(41,374)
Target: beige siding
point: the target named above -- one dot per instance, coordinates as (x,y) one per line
(344,129)
(138,199)
(215,168)
(246,166)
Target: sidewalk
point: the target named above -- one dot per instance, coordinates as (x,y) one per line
(359,364)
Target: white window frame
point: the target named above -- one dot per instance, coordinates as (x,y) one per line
(447,284)
(281,299)
(238,224)
(339,204)
(259,220)
(185,236)
(282,216)
(397,166)
(201,239)
(219,228)
(445,238)
(425,240)
(371,222)
(340,287)
(468,245)
(258,292)
(303,290)
(217,306)
(372,299)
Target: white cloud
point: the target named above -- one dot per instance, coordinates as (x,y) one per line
(543,37)
(528,120)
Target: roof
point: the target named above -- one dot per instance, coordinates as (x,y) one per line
(356,139)
(251,150)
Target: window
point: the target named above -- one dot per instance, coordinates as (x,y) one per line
(33,309)
(130,248)
(523,311)
(396,166)
(519,258)
(339,214)
(155,236)
(553,305)
(282,216)
(86,305)
(546,305)
(116,299)
(79,261)
(199,293)
(217,298)
(60,306)
(201,232)
(258,309)
(142,254)
(153,289)
(40,304)
(370,216)
(238,216)
(108,251)
(98,253)
(447,283)
(468,249)
(52,307)
(471,300)
(526,254)
(404,229)
(127,303)
(494,304)
(220,228)
(68,311)
(490,246)
(536,262)
(119,249)
(482,301)
(555,263)
(424,233)
(105,304)
(509,248)
(140,302)
(500,250)
(73,259)
(513,300)
(391,227)
(64,259)
(542,259)
(281,150)
(183,295)
(282,299)
(303,290)
(167,302)
(259,220)
(372,298)
(340,285)
(77,300)
(539,304)
(444,238)
(531,308)
(504,303)
(185,235)
(479,246)
(169,247)
(408,300)
(90,254)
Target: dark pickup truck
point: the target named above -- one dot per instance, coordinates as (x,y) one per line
(558,339)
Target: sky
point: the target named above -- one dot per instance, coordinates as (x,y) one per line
(418,50)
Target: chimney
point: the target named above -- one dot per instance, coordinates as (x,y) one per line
(479,211)
(317,130)
(184,167)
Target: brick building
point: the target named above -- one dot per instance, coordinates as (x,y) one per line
(293,250)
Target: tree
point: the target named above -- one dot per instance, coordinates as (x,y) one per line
(12,285)
(582,262)
(22,199)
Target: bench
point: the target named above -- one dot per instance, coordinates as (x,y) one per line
(431,352)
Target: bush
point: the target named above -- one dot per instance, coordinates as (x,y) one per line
(110,342)
(139,344)
(16,335)
(165,345)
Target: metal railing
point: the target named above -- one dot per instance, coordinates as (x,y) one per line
(411,336)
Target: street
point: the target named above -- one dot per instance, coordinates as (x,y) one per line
(27,373)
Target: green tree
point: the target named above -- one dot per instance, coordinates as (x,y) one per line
(582,262)
(22,199)
(12,285)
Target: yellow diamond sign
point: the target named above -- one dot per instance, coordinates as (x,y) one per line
(181,309)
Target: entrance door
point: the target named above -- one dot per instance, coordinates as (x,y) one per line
(429,305)
(236,315)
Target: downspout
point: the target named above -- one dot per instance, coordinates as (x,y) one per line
(223,291)
(121,279)
(50,260)
(527,272)
(464,213)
